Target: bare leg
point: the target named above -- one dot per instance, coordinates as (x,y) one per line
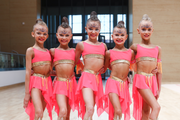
(145,111)
(43,103)
(88,97)
(114,98)
(149,98)
(37,102)
(62,103)
(68,110)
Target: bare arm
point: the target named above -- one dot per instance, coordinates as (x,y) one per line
(29,56)
(159,76)
(52,52)
(107,60)
(78,51)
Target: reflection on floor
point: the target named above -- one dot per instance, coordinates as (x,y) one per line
(11,104)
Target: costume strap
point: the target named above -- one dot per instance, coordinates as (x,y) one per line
(93,72)
(148,77)
(159,66)
(79,67)
(44,78)
(68,80)
(121,82)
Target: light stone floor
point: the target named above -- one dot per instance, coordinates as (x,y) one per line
(11,104)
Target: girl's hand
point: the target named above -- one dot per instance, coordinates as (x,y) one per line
(26,99)
(102,70)
(154,71)
(157,96)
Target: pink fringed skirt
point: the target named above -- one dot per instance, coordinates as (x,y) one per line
(93,81)
(66,87)
(122,90)
(45,85)
(142,81)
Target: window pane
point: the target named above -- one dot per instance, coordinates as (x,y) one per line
(76,25)
(106,22)
(77,39)
(122,17)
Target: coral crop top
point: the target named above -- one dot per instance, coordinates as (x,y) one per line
(41,58)
(120,56)
(143,53)
(97,51)
(64,56)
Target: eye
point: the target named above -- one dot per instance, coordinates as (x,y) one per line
(90,28)
(38,33)
(45,33)
(143,29)
(122,35)
(61,35)
(149,29)
(97,29)
(116,34)
(67,35)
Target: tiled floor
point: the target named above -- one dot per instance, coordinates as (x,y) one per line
(11,104)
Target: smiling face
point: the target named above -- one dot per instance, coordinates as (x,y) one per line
(93,28)
(40,33)
(145,29)
(64,35)
(119,35)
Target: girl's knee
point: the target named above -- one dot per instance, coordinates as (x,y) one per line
(90,110)
(63,112)
(39,113)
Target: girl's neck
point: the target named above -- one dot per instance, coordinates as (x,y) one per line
(93,40)
(39,45)
(146,42)
(65,47)
(119,47)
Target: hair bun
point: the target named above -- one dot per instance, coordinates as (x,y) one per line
(93,14)
(146,17)
(39,20)
(65,20)
(121,23)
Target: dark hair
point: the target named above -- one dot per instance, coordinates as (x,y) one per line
(120,24)
(39,22)
(65,23)
(93,17)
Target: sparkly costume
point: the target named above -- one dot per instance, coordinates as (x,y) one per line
(65,86)
(118,86)
(144,80)
(91,79)
(42,82)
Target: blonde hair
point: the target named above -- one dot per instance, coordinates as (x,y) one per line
(145,18)
(39,22)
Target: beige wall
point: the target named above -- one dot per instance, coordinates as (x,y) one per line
(166,20)
(15,35)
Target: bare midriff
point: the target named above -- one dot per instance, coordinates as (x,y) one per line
(146,66)
(42,69)
(120,70)
(94,64)
(64,70)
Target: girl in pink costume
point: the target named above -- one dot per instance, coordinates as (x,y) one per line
(90,87)
(146,86)
(65,81)
(117,86)
(38,86)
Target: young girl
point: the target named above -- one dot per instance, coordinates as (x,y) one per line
(117,86)
(38,86)
(146,86)
(90,88)
(65,81)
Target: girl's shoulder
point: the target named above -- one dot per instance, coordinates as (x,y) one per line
(29,50)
